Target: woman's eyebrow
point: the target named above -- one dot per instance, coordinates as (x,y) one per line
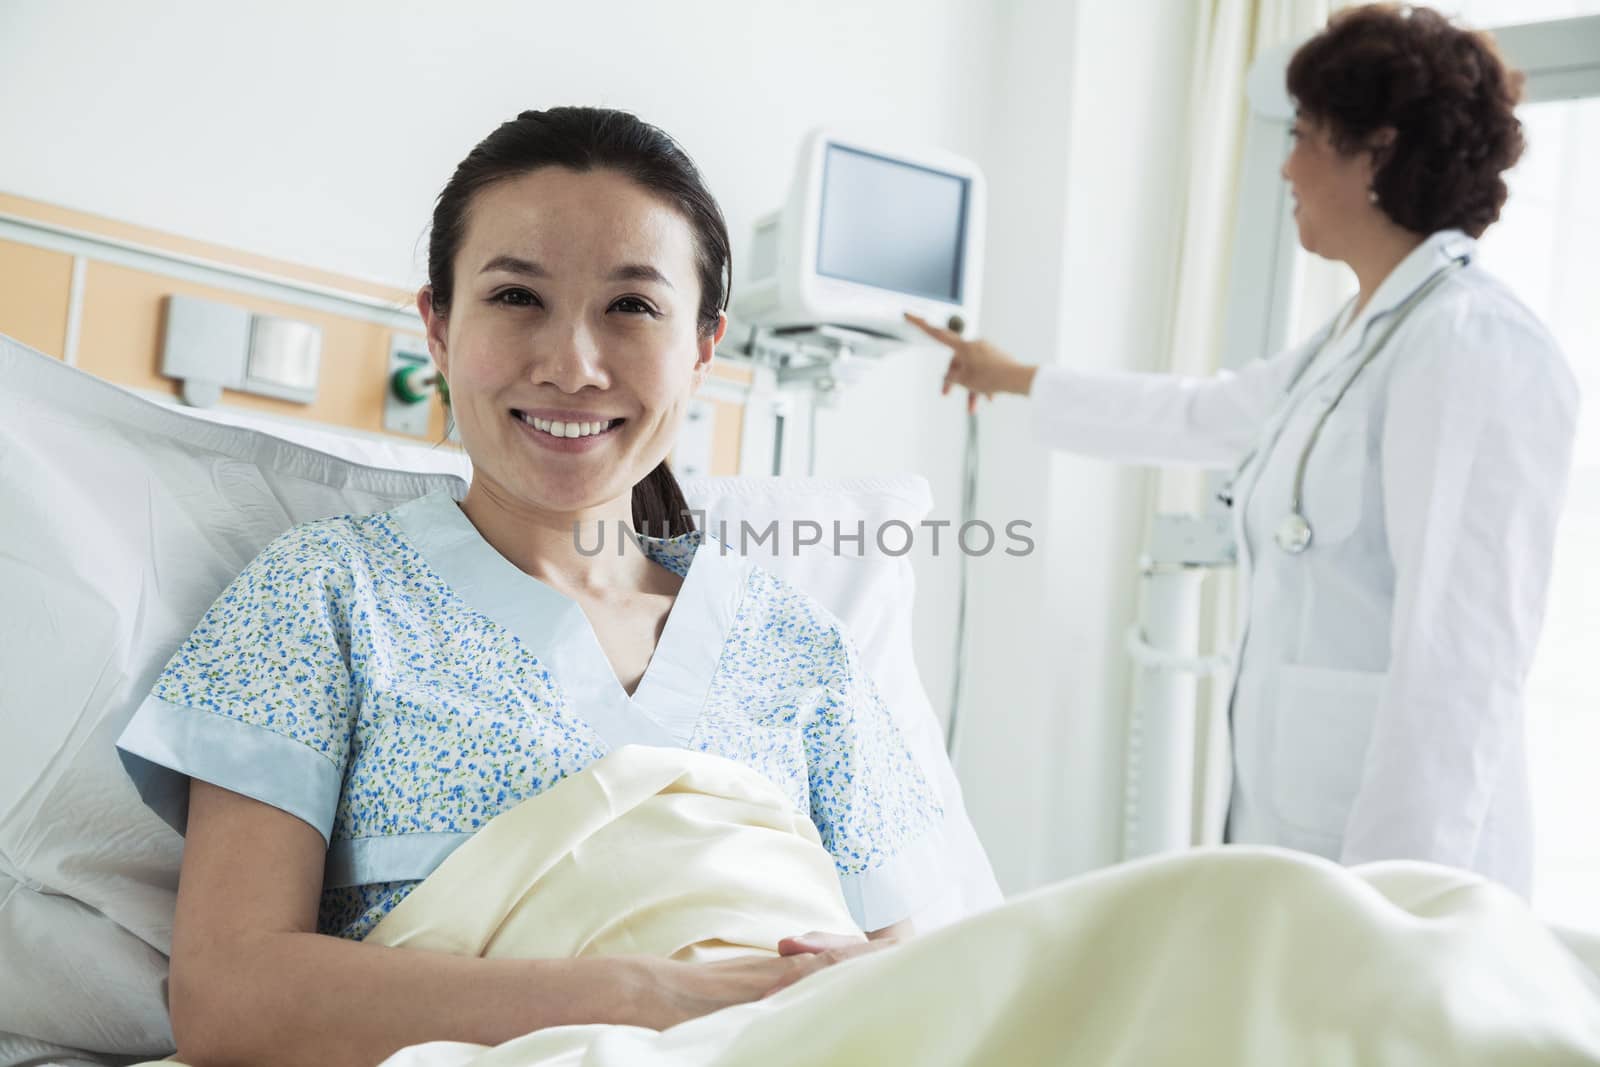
(513,265)
(628,272)
(639,272)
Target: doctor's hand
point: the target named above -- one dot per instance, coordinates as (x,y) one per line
(977,366)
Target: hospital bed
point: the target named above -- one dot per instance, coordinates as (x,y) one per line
(123,519)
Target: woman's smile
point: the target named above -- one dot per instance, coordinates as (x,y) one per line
(561,431)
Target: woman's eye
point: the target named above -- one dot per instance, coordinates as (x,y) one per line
(635,306)
(520,298)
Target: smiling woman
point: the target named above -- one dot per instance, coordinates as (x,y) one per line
(565,225)
(372,692)
(585,344)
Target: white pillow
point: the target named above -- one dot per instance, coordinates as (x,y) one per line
(368,450)
(124,520)
(27,1052)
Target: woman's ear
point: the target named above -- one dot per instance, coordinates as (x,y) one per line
(434,325)
(1379,144)
(707,345)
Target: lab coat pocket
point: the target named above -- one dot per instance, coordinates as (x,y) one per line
(1323,724)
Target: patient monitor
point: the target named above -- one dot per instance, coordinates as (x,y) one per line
(868,232)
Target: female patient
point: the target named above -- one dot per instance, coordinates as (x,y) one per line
(371,691)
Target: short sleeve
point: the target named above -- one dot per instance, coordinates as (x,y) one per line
(876,812)
(257,700)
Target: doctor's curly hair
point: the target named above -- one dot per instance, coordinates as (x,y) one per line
(1443,90)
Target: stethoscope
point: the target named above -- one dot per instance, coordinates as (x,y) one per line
(1294,533)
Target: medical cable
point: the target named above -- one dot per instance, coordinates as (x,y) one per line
(969,507)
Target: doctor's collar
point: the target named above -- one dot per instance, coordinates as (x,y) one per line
(1414,271)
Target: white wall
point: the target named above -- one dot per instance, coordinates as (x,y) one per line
(1084,170)
(1010,758)
(1082,150)
(320,133)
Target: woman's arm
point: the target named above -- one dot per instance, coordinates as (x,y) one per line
(252,982)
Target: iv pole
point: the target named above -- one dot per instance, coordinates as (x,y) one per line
(1158,786)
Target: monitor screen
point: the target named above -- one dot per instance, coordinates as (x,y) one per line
(892,225)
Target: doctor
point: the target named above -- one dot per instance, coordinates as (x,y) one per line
(1397,478)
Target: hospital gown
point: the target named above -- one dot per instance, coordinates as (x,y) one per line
(396,683)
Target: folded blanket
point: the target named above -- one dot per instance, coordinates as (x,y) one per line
(651,851)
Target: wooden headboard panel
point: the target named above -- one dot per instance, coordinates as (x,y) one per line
(90,290)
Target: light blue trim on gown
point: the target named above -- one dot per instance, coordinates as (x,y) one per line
(904,883)
(396,858)
(668,700)
(164,745)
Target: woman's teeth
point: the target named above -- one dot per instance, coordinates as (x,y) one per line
(568,429)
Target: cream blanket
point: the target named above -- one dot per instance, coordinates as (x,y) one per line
(1224,957)
(1227,957)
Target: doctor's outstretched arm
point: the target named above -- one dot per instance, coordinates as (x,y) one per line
(1129,417)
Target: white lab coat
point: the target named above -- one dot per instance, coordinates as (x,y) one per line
(1377,708)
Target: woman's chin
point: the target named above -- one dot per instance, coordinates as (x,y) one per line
(1306,238)
(1313,243)
(571,493)
(567,499)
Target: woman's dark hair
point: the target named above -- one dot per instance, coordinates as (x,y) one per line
(1444,91)
(582,139)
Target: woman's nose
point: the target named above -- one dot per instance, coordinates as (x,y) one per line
(569,358)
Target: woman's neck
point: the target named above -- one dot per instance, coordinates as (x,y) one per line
(1376,258)
(582,553)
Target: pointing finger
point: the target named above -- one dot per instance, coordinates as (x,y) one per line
(938,333)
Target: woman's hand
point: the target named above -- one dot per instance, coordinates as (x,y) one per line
(977,366)
(684,991)
(817,950)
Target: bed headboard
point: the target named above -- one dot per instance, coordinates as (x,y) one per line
(91,291)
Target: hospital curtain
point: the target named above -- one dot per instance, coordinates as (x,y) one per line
(1231,33)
